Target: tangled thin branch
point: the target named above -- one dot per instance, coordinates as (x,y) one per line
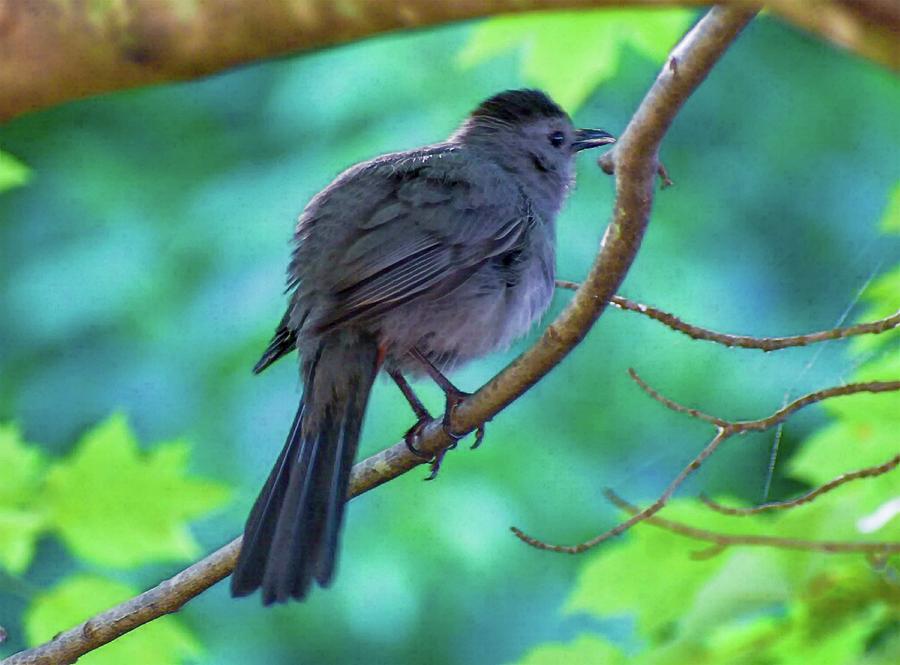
(724,430)
(812,495)
(721,541)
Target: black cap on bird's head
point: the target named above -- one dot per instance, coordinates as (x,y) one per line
(529,135)
(517,108)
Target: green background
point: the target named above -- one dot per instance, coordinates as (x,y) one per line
(141,272)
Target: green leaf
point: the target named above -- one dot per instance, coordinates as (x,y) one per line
(570,53)
(23,469)
(586,649)
(749,580)
(890,222)
(883,297)
(161,642)
(13,173)
(841,644)
(658,597)
(118,506)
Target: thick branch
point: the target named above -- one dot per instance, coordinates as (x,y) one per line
(636,169)
(724,431)
(765,344)
(51,52)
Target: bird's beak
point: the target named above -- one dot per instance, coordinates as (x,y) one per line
(591,138)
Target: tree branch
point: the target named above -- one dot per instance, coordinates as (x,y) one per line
(812,495)
(52,52)
(636,163)
(724,431)
(721,541)
(764,344)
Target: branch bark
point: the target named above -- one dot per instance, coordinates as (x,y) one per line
(635,157)
(52,52)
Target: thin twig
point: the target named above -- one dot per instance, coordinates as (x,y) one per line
(722,541)
(836,391)
(725,430)
(640,516)
(765,344)
(673,405)
(843,479)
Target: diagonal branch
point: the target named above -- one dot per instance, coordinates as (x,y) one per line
(765,344)
(724,430)
(636,165)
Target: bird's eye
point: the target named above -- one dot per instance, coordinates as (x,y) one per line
(557,139)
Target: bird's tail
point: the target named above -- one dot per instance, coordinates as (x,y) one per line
(292,534)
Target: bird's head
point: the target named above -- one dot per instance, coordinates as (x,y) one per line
(529,135)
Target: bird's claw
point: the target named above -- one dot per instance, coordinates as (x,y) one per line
(453,399)
(479,436)
(412,435)
(438,458)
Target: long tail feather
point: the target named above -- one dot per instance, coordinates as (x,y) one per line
(293,532)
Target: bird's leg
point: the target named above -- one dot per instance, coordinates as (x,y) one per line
(422,415)
(423,419)
(453,397)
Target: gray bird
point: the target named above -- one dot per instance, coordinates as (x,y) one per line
(413,262)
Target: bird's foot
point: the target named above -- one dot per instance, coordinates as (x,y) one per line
(454,398)
(412,436)
(436,461)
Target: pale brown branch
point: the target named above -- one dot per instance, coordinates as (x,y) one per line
(764,344)
(725,430)
(51,52)
(636,165)
(721,541)
(843,479)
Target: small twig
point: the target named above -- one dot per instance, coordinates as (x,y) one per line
(675,406)
(725,430)
(867,472)
(763,424)
(639,516)
(661,169)
(764,344)
(722,540)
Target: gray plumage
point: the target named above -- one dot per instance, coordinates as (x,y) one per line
(449,249)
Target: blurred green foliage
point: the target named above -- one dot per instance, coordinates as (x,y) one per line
(569,54)
(114,506)
(13,173)
(141,267)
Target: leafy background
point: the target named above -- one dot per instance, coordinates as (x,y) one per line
(143,237)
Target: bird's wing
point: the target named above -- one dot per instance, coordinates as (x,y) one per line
(392,230)
(442,220)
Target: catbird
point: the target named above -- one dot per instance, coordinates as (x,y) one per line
(413,262)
